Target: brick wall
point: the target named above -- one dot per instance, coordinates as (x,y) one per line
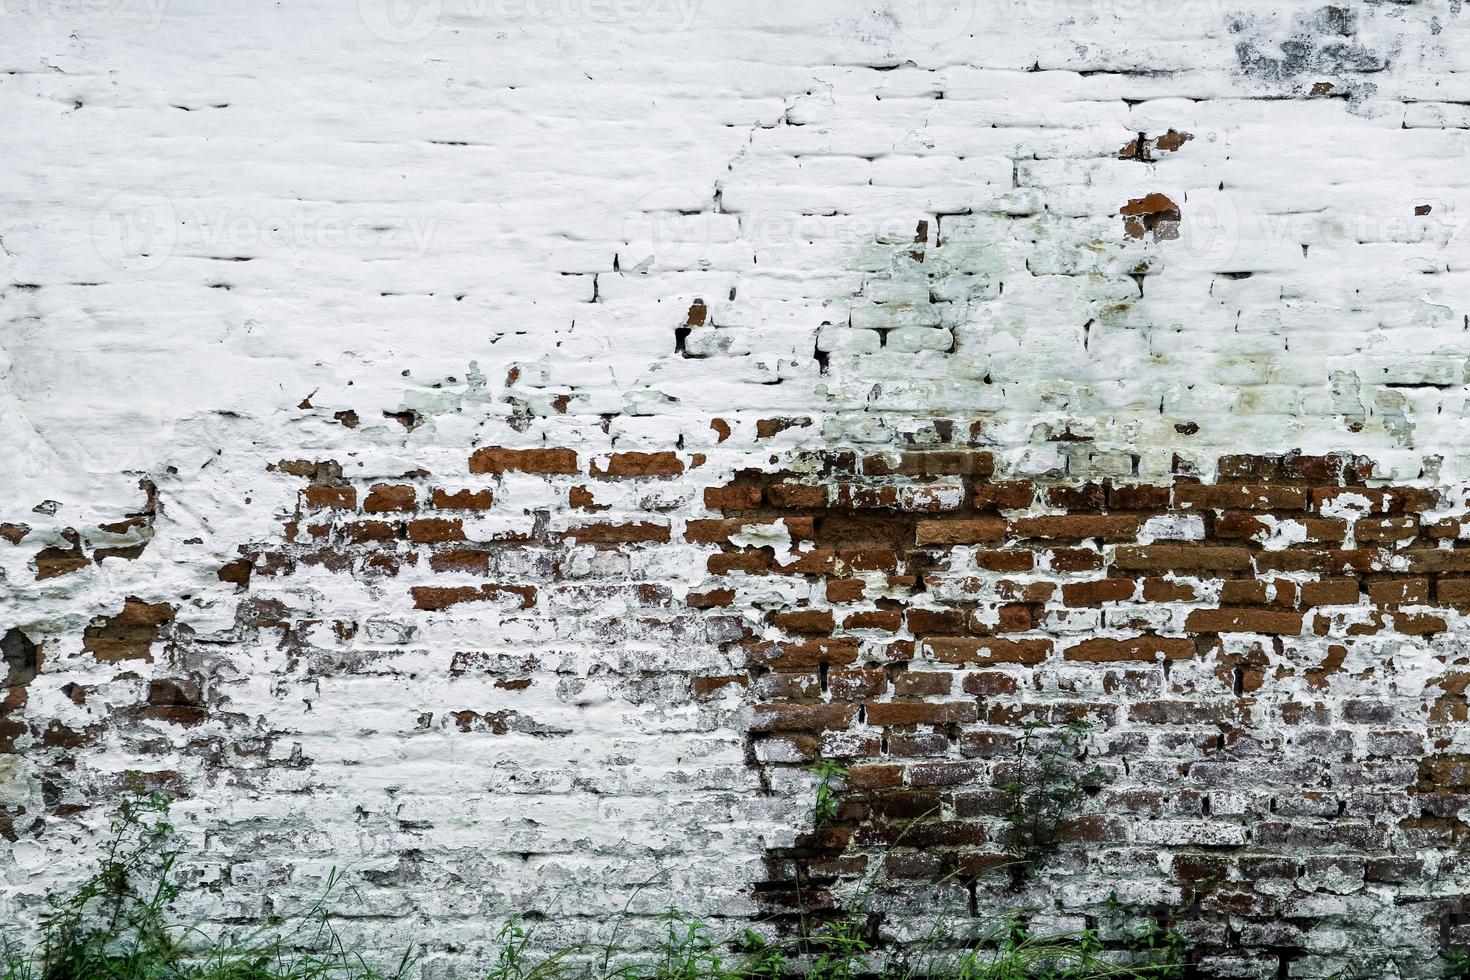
(501,446)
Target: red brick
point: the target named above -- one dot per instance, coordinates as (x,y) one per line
(1377,500)
(1411,591)
(435,598)
(921,621)
(887,620)
(1140,496)
(639,464)
(1330,592)
(1168,590)
(715,530)
(941,463)
(979,531)
(921,712)
(1083,496)
(749,561)
(985,650)
(434,529)
(712,599)
(1455,591)
(1178,557)
(1005,495)
(386,498)
(460,560)
(1244,621)
(617,533)
(366,532)
(1395,530)
(922,683)
(732,498)
(1078,527)
(1141,648)
(802,717)
(1005,561)
(462,499)
(802,654)
(797,495)
(329,498)
(804,620)
(546,461)
(1235,496)
(1074,560)
(1250,591)
(845,589)
(1098,592)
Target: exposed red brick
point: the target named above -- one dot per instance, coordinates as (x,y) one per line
(1175,557)
(639,464)
(986,650)
(329,498)
(434,529)
(1244,621)
(494,459)
(977,531)
(384,498)
(462,499)
(435,598)
(1141,648)
(617,533)
(1097,592)
(735,497)
(1257,496)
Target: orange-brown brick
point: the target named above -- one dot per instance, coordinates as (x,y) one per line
(736,497)
(1174,557)
(985,650)
(1244,621)
(976,531)
(1140,648)
(887,620)
(804,620)
(434,529)
(639,464)
(462,499)
(1098,592)
(1005,495)
(1237,496)
(386,498)
(1330,592)
(1404,591)
(921,712)
(631,533)
(329,498)
(499,460)
(1077,527)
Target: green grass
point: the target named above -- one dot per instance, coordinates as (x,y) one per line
(116,926)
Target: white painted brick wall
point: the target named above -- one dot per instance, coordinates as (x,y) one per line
(224,223)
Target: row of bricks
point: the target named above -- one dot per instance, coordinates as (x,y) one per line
(951,495)
(1186,559)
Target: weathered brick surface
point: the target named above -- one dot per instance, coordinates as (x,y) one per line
(546,456)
